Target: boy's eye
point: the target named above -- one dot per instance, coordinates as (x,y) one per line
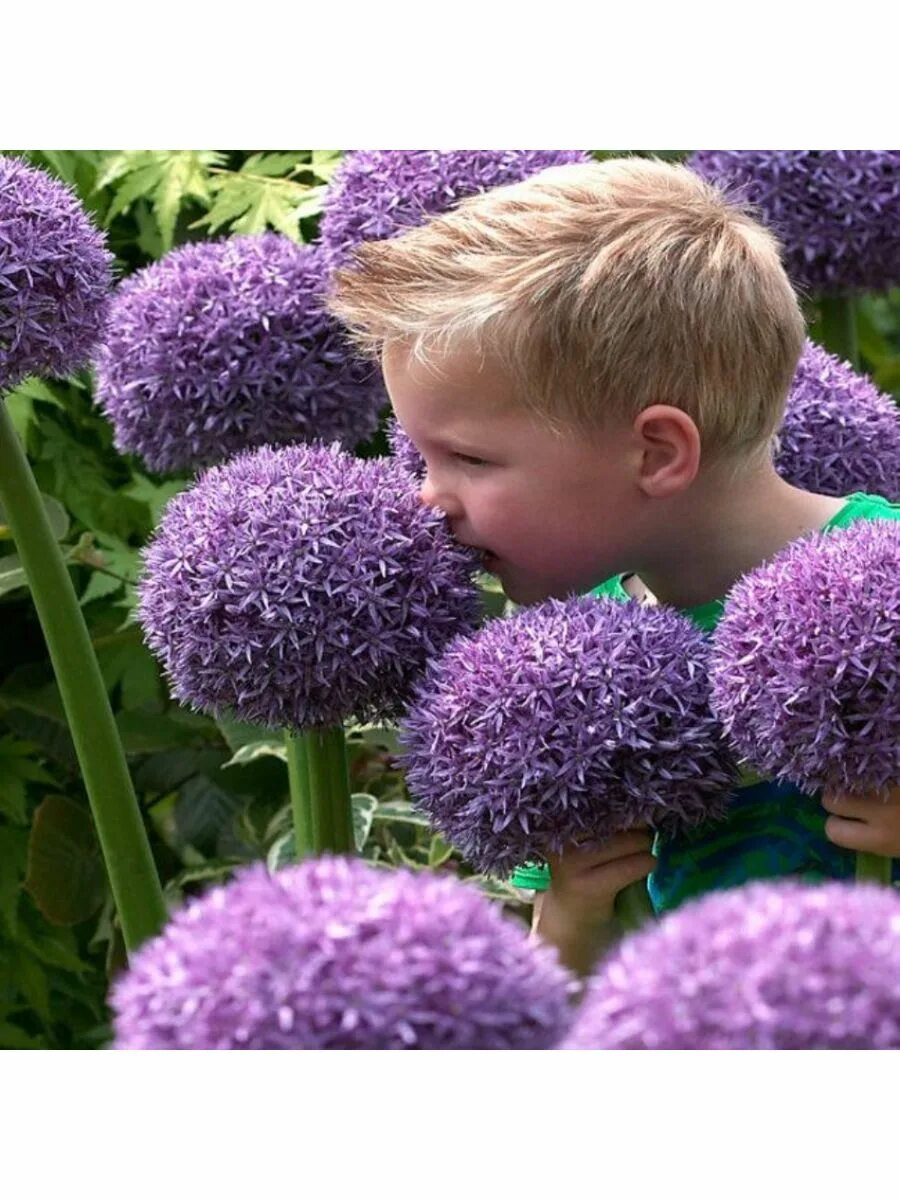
(470,460)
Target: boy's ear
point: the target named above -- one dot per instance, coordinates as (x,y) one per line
(669,447)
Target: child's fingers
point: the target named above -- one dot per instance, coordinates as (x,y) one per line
(854,835)
(624,871)
(578,858)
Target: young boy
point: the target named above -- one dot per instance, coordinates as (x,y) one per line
(593,364)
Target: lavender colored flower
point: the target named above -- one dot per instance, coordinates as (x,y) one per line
(569,721)
(55,276)
(837,212)
(376,194)
(221,346)
(299,586)
(334,954)
(805,661)
(770,966)
(404,450)
(840,434)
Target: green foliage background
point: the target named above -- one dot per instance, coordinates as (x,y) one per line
(214,794)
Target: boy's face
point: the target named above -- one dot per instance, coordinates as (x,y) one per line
(554,513)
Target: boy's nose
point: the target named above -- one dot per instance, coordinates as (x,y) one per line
(432,497)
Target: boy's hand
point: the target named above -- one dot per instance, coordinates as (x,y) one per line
(576,912)
(868,823)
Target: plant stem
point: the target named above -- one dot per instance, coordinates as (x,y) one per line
(320,792)
(837,327)
(633,907)
(117,816)
(873,868)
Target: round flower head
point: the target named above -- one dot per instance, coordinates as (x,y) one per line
(225,345)
(770,966)
(837,212)
(569,721)
(376,194)
(404,451)
(805,661)
(840,434)
(55,276)
(298,586)
(334,954)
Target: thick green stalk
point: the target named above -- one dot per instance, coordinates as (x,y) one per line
(837,327)
(301,801)
(117,816)
(633,906)
(873,868)
(320,792)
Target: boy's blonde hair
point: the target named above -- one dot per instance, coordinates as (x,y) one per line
(601,288)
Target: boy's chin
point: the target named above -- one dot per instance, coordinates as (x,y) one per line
(530,591)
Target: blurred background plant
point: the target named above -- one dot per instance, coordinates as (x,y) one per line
(215,793)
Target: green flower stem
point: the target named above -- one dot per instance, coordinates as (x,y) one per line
(320,792)
(117,816)
(633,907)
(873,868)
(837,327)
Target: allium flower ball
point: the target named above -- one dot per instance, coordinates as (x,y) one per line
(805,661)
(55,276)
(334,954)
(221,346)
(298,586)
(770,966)
(840,434)
(569,721)
(837,212)
(376,194)
(404,450)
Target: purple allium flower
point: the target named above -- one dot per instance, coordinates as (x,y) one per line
(569,721)
(299,586)
(404,451)
(805,661)
(837,212)
(376,194)
(770,966)
(221,346)
(55,276)
(335,954)
(840,434)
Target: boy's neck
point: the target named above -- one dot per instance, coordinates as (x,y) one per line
(722,528)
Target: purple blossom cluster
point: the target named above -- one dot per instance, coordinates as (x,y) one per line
(839,434)
(225,345)
(837,212)
(376,194)
(805,661)
(335,954)
(55,276)
(569,721)
(404,450)
(298,586)
(770,966)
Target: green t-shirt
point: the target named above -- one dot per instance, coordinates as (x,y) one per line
(772,829)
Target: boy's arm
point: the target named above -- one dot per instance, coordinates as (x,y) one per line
(868,823)
(576,913)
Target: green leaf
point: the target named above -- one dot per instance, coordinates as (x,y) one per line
(127,664)
(282,853)
(55,947)
(12,573)
(13,850)
(65,875)
(326,162)
(241,733)
(149,733)
(16,770)
(155,495)
(438,851)
(273,164)
(56,515)
(400,812)
(269,748)
(203,811)
(364,807)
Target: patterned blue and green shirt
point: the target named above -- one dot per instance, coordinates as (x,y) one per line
(772,829)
